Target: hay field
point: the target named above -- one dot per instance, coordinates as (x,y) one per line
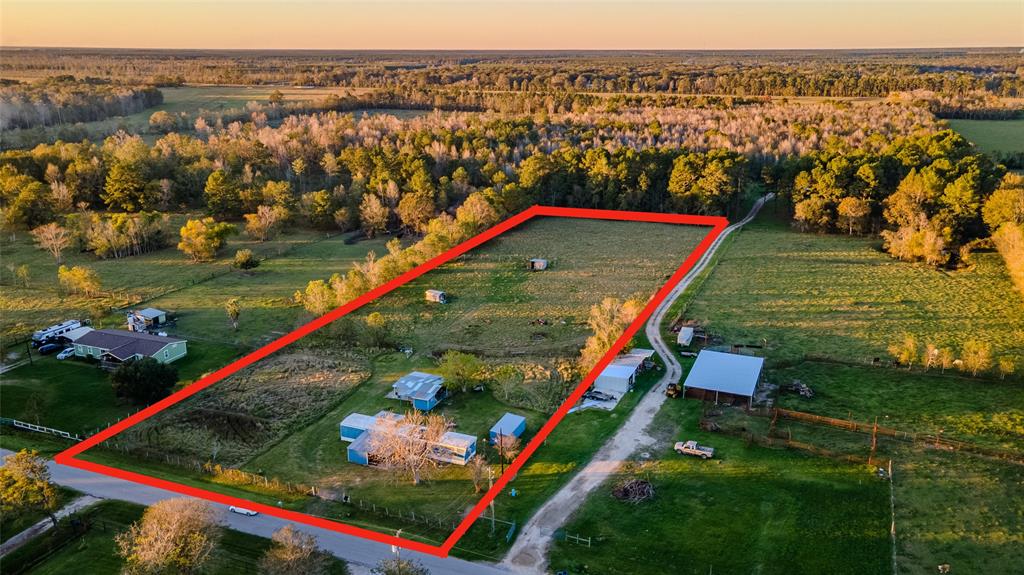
(494,298)
(841,296)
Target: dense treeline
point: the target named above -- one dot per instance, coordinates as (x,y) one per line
(977,105)
(66,100)
(925,193)
(784,73)
(328,161)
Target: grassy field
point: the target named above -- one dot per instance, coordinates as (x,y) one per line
(992,135)
(96,550)
(749,510)
(24,309)
(990,413)
(776,511)
(841,297)
(494,301)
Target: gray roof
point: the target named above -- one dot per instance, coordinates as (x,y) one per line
(125,344)
(418,385)
(507,424)
(725,372)
(151,313)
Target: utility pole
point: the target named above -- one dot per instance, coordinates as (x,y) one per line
(396,549)
(490,479)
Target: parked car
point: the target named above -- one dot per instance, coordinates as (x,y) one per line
(50,348)
(691,448)
(243,511)
(69,352)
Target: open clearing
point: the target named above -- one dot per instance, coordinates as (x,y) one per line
(777,511)
(134,279)
(992,135)
(749,510)
(77,397)
(840,297)
(495,303)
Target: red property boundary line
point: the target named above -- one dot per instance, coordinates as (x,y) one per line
(718,224)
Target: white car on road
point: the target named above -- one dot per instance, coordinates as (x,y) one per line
(243,511)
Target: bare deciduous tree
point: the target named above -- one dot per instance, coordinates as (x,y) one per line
(53,238)
(478,468)
(406,444)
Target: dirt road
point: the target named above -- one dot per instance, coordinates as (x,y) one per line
(529,553)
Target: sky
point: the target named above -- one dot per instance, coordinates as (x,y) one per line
(513,25)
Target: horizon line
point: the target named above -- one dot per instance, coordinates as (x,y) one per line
(511,50)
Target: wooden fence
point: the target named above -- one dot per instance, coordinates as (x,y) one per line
(908,436)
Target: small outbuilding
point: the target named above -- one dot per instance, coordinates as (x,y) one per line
(423,390)
(685,336)
(723,377)
(146,319)
(510,424)
(537,264)
(620,375)
(436,295)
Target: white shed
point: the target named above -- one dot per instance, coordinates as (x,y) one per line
(537,264)
(436,295)
(685,336)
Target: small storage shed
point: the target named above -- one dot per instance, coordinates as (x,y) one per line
(359,450)
(685,336)
(143,319)
(510,424)
(537,264)
(723,377)
(355,424)
(455,448)
(436,295)
(423,390)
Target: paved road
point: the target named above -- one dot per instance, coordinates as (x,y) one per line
(356,550)
(529,553)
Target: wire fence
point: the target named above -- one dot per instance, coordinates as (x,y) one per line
(926,439)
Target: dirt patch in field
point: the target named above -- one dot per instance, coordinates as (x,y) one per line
(234,419)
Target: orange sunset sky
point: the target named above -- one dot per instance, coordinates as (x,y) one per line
(524,24)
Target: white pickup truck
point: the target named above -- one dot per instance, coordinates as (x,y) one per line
(691,448)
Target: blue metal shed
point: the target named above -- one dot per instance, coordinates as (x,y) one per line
(359,450)
(355,424)
(509,424)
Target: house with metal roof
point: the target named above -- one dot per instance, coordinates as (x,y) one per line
(358,430)
(510,425)
(115,345)
(423,390)
(723,377)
